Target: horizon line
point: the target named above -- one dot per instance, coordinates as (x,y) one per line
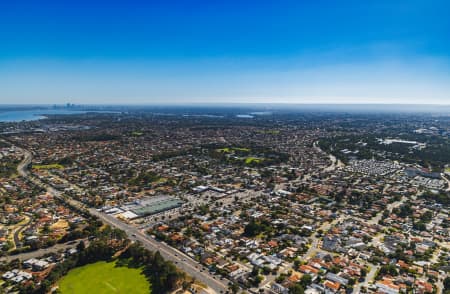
(223,103)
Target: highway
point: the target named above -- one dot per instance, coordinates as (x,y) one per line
(182,261)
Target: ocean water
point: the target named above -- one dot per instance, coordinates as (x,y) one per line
(29,115)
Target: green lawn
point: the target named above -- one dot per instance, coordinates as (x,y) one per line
(104,277)
(250,160)
(48,166)
(137,134)
(230,149)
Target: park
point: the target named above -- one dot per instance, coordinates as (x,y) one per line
(104,277)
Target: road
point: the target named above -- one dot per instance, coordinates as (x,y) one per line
(26,161)
(376,240)
(444,177)
(182,261)
(38,253)
(19,230)
(312,250)
(335,163)
(370,277)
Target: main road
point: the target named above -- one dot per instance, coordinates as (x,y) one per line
(182,261)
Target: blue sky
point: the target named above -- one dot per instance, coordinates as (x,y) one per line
(145,52)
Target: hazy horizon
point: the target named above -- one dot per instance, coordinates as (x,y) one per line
(64,104)
(242,108)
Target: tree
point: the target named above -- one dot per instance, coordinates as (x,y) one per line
(234,288)
(252,229)
(426,217)
(388,269)
(296,289)
(404,210)
(257,280)
(46,229)
(185,285)
(306,280)
(81,246)
(419,226)
(447,284)
(8,245)
(334,269)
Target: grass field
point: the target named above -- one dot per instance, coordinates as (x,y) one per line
(104,277)
(137,134)
(447,170)
(230,149)
(250,160)
(48,166)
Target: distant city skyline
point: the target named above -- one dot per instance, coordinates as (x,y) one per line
(225,52)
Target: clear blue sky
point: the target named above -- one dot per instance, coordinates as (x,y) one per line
(385,51)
